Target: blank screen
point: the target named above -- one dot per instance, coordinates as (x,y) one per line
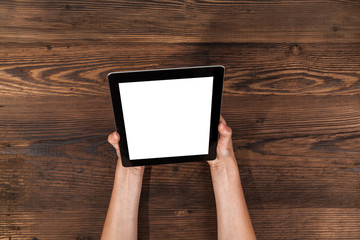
(167,118)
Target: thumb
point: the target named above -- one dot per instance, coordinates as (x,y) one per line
(114,139)
(224,148)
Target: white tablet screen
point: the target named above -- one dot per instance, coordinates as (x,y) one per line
(167,118)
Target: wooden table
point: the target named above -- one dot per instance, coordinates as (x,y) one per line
(291,96)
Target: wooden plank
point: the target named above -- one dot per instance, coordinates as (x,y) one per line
(305,223)
(179,21)
(298,223)
(261,69)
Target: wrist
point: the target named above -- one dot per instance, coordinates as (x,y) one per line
(128,180)
(129,172)
(221,164)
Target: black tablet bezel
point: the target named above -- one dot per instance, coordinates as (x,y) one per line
(115,78)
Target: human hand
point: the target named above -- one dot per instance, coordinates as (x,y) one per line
(224,153)
(122,216)
(232,214)
(114,139)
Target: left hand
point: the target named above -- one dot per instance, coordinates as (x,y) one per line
(114,139)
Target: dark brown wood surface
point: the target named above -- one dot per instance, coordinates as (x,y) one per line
(291,96)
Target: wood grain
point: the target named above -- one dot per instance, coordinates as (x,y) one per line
(180,21)
(291,96)
(261,69)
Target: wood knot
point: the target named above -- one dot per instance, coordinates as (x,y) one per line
(260,121)
(182,212)
(16,228)
(296,49)
(335,28)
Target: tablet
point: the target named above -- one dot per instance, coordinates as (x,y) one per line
(167,115)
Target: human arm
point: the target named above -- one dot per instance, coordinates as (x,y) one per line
(122,216)
(232,213)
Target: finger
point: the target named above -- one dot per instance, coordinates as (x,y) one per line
(114,139)
(222,120)
(225,133)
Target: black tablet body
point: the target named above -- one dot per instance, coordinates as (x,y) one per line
(167,115)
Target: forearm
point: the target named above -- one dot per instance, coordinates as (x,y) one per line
(121,220)
(232,214)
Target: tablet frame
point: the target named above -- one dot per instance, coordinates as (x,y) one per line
(115,78)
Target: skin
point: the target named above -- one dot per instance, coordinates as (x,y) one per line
(233,219)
